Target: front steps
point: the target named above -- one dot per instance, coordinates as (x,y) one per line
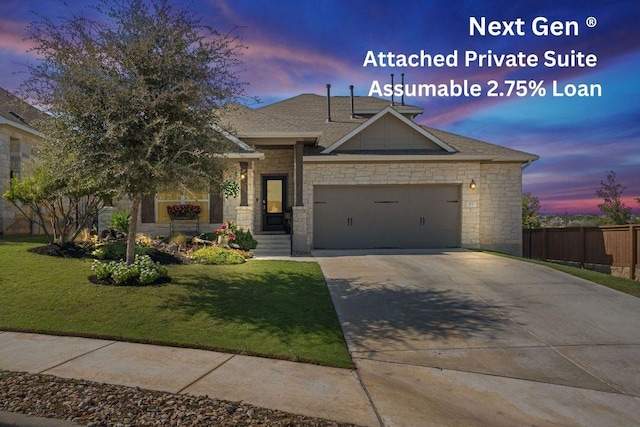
(272,245)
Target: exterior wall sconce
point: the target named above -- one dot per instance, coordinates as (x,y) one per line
(472,185)
(243,172)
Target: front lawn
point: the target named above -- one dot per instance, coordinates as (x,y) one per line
(279,309)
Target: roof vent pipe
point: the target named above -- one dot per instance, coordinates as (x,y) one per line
(402,99)
(392,102)
(353,111)
(328,102)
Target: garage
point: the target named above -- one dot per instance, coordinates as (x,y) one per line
(386,216)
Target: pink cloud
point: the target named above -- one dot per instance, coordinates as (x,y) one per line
(12,36)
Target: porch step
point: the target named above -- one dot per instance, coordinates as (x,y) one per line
(272,245)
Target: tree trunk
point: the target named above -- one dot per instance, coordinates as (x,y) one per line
(133,226)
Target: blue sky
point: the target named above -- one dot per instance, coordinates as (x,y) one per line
(298,46)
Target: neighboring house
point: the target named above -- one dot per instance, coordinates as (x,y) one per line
(338,172)
(357,172)
(18,143)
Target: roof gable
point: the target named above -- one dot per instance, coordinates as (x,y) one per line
(20,114)
(389,130)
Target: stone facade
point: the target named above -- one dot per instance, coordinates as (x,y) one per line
(16,150)
(500,190)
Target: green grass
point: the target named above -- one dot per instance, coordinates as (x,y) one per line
(621,284)
(278,309)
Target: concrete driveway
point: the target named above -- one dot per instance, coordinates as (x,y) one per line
(465,338)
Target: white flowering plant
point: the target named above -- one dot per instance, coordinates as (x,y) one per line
(143,270)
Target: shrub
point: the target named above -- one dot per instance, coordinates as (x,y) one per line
(227,230)
(143,239)
(117,250)
(120,221)
(216,255)
(245,240)
(178,239)
(142,272)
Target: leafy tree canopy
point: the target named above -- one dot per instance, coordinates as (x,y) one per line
(612,206)
(530,211)
(134,88)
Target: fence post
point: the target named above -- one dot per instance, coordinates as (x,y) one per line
(583,248)
(545,237)
(634,252)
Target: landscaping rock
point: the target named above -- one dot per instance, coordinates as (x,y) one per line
(94,404)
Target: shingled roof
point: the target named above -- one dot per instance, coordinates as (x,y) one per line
(307,113)
(16,110)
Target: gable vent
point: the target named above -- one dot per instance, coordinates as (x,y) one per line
(18,116)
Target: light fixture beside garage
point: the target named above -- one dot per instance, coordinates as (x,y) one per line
(472,185)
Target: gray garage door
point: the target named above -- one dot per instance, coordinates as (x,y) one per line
(386,216)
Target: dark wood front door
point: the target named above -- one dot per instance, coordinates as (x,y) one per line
(274,203)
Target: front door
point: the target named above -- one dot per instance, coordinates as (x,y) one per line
(274,203)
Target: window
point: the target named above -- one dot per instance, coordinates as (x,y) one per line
(169,198)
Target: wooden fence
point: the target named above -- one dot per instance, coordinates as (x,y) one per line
(612,247)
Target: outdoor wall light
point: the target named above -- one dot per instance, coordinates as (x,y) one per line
(472,185)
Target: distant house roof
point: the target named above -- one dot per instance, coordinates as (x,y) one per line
(18,112)
(307,115)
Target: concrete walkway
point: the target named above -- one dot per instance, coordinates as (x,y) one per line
(287,386)
(464,338)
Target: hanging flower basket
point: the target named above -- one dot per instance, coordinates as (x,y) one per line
(184,211)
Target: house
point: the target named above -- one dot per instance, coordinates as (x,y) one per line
(19,139)
(330,172)
(347,172)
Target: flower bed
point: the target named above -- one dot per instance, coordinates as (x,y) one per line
(142,272)
(184,211)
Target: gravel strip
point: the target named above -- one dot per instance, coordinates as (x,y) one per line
(94,404)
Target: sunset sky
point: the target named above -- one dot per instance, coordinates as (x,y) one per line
(298,46)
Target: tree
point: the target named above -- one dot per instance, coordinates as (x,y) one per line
(530,211)
(135,93)
(614,209)
(54,197)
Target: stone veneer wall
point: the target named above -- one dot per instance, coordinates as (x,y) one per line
(16,149)
(501,208)
(277,161)
(490,218)
(4,176)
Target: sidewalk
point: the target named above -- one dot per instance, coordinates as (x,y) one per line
(298,388)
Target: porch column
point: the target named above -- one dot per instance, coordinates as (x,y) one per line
(299,241)
(244,212)
(244,183)
(299,177)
